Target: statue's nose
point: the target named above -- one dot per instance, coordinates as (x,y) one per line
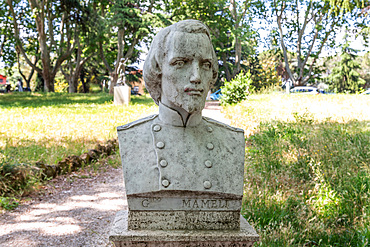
(195,74)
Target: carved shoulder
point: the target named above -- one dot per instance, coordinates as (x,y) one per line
(220,124)
(137,122)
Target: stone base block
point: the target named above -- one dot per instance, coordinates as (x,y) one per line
(183,220)
(121,236)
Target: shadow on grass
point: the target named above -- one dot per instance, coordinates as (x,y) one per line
(308,183)
(28,99)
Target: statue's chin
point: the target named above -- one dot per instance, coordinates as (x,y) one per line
(192,106)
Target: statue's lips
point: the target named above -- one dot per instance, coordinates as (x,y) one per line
(193,91)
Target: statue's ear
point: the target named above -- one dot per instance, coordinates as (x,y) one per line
(153,77)
(157,68)
(152,69)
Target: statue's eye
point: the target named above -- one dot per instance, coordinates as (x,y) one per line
(206,65)
(179,63)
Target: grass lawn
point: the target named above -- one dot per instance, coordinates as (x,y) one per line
(307,168)
(51,126)
(307,179)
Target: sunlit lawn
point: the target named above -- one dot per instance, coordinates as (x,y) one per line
(49,127)
(307,168)
(307,157)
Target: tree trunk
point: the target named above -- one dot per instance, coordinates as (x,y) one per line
(116,71)
(226,67)
(73,84)
(48,81)
(238,54)
(40,82)
(113,81)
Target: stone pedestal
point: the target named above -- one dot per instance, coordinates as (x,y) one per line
(122,95)
(121,236)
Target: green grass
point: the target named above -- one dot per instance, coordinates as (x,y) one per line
(307,157)
(49,127)
(307,168)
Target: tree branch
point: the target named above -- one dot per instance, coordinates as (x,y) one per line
(279,17)
(102,56)
(19,43)
(320,49)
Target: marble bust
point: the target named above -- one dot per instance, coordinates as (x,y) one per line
(178,166)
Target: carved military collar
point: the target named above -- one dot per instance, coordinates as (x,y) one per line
(172,117)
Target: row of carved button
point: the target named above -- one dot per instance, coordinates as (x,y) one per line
(207,184)
(157,128)
(161,145)
(163,163)
(207,163)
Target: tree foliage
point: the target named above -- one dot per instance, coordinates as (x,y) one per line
(125,24)
(7,48)
(342,6)
(236,90)
(263,69)
(305,27)
(85,33)
(52,22)
(344,77)
(97,40)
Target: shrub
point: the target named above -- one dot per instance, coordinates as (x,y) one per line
(236,90)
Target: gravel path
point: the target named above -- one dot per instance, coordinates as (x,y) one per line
(213,110)
(75,210)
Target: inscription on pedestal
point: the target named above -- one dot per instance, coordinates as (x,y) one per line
(204,204)
(196,204)
(187,219)
(184,244)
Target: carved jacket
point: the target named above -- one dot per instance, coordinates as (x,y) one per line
(159,153)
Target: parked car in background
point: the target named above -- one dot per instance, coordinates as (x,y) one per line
(323,91)
(367,92)
(304,90)
(135,91)
(216,95)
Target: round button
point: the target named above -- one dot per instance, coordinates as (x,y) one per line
(165,183)
(208,164)
(207,184)
(209,128)
(163,163)
(157,128)
(160,145)
(210,146)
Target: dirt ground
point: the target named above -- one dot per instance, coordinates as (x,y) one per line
(73,210)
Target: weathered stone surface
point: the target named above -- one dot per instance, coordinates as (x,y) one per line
(122,236)
(184,220)
(210,152)
(183,172)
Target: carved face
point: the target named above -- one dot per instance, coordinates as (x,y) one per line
(187,71)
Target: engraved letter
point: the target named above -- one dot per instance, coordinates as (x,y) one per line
(195,205)
(205,204)
(223,204)
(214,204)
(145,203)
(186,203)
